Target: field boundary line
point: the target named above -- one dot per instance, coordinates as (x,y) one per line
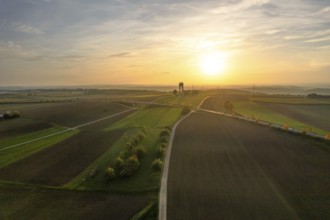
(267,124)
(66,130)
(202,102)
(162,207)
(101,119)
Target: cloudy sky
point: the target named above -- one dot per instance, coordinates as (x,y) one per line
(61,42)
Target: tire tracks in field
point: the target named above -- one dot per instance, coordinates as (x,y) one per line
(66,130)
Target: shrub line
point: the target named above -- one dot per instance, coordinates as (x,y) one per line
(271,125)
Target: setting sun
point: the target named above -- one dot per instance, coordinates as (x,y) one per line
(212,63)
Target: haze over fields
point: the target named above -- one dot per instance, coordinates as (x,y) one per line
(47,42)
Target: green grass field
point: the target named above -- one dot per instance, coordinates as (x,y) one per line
(189,100)
(150,119)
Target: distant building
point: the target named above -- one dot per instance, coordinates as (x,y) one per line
(181,88)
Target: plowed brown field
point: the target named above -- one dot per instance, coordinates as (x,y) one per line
(61,162)
(222,168)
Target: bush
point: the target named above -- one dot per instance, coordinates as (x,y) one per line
(185,110)
(16,114)
(165,133)
(109,174)
(119,162)
(126,153)
(130,166)
(140,137)
(140,152)
(161,152)
(163,145)
(157,165)
(164,140)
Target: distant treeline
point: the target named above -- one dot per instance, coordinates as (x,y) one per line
(317,96)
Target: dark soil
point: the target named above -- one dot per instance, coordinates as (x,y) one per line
(20,126)
(61,162)
(18,203)
(107,122)
(72,114)
(222,168)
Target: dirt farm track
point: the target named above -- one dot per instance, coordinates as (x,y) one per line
(222,168)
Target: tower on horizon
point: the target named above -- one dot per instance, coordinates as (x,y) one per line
(181,88)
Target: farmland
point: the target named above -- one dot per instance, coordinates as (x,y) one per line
(60,163)
(220,165)
(316,115)
(306,117)
(40,154)
(60,150)
(57,153)
(26,202)
(150,119)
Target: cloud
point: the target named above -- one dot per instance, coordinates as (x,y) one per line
(123,54)
(12,50)
(85,31)
(324,10)
(28,29)
(318,40)
(272,32)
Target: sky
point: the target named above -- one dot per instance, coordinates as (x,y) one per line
(153,42)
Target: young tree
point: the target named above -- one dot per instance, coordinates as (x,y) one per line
(157,165)
(109,174)
(130,166)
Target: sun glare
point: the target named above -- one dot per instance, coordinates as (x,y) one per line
(212,64)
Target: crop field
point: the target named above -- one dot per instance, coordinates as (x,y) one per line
(299,117)
(61,162)
(22,203)
(19,126)
(222,168)
(71,113)
(317,115)
(283,99)
(10,154)
(218,165)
